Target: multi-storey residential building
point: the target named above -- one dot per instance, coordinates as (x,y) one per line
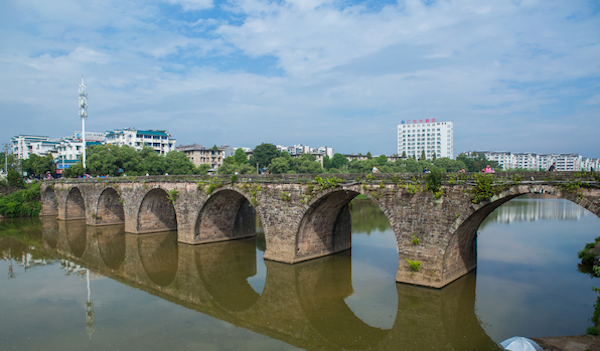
(533,161)
(298,150)
(429,136)
(159,140)
(199,155)
(25,145)
(69,148)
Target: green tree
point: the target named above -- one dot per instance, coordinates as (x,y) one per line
(240,156)
(263,154)
(202,169)
(102,160)
(403,154)
(128,159)
(15,179)
(279,165)
(369,156)
(339,161)
(449,165)
(178,163)
(308,164)
(326,162)
(382,160)
(74,171)
(423,157)
(477,163)
(152,162)
(38,165)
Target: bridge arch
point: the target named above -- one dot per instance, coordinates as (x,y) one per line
(325,227)
(460,254)
(227,214)
(110,208)
(49,202)
(75,204)
(156,213)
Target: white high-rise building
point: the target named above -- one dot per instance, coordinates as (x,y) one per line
(429,136)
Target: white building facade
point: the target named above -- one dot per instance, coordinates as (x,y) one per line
(298,150)
(70,148)
(25,145)
(430,136)
(159,140)
(533,161)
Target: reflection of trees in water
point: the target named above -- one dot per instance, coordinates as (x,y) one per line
(368,217)
(534,207)
(21,236)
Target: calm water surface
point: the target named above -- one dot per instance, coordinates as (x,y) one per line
(70,287)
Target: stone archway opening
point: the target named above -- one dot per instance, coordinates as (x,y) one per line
(326,226)
(75,207)
(369,269)
(156,213)
(226,215)
(110,208)
(49,202)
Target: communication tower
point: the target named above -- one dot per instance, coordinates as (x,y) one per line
(83,113)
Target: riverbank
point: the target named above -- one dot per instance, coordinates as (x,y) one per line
(570,343)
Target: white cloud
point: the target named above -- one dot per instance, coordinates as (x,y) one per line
(189,5)
(341,76)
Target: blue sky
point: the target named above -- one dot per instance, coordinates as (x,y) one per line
(513,75)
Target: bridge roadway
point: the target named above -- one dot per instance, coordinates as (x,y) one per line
(301,304)
(307,216)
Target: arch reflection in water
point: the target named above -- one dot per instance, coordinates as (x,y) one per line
(111,244)
(50,231)
(159,256)
(225,268)
(75,232)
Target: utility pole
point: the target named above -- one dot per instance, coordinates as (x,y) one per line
(6,157)
(83,113)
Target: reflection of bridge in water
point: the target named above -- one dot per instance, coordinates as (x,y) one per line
(300,304)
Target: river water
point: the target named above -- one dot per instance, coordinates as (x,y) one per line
(66,286)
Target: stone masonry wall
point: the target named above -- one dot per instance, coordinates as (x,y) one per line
(305,217)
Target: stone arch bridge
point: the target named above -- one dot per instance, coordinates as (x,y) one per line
(308,216)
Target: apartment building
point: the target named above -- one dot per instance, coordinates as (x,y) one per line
(159,140)
(430,136)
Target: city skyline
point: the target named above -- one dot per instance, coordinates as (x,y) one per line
(520,76)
